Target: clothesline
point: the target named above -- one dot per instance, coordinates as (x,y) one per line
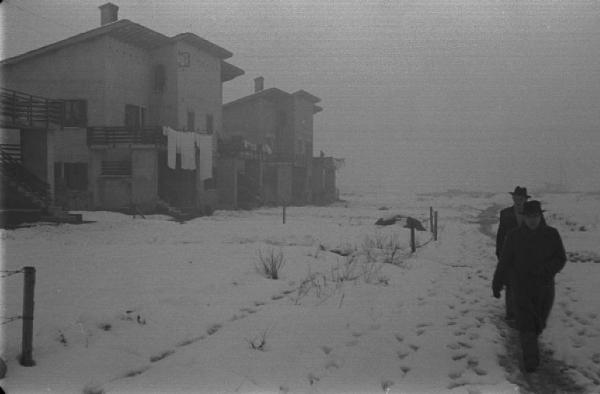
(185,143)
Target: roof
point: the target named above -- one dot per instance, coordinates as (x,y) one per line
(270,94)
(304,94)
(135,34)
(203,44)
(124,30)
(229,71)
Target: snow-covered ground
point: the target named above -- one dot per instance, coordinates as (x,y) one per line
(128,305)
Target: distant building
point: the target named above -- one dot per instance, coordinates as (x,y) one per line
(280,126)
(121,83)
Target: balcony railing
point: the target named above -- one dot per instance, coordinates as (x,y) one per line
(24,110)
(125,135)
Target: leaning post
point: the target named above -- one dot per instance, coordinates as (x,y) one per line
(413,246)
(431,219)
(435,225)
(27,337)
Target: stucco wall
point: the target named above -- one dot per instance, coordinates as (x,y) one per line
(128,80)
(243,119)
(70,145)
(144,177)
(163,104)
(199,87)
(73,72)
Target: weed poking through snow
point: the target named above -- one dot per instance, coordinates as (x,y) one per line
(270,263)
(259,342)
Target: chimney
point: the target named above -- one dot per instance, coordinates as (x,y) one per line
(108,13)
(259,84)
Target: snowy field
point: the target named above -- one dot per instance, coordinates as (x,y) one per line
(149,305)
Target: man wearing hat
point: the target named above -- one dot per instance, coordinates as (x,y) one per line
(510,218)
(530,258)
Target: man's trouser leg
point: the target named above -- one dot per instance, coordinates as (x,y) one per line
(509,303)
(531,352)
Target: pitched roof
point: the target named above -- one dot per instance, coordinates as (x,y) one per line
(268,94)
(203,44)
(303,93)
(130,32)
(229,71)
(124,30)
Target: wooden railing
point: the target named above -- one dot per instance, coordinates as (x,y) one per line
(24,110)
(125,135)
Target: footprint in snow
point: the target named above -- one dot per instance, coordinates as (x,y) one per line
(402,354)
(399,338)
(353,342)
(326,349)
(459,356)
(414,347)
(214,329)
(332,364)
(162,356)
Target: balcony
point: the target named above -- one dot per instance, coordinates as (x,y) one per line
(22,110)
(125,136)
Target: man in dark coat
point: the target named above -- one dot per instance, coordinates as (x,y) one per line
(531,256)
(510,218)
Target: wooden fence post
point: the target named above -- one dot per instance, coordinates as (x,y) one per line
(284,213)
(28,293)
(431,219)
(413,246)
(435,225)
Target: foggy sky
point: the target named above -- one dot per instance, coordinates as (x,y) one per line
(473,94)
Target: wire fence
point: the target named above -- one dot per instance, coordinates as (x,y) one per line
(6,274)
(6,320)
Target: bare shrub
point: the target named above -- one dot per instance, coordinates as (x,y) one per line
(259,342)
(270,263)
(384,248)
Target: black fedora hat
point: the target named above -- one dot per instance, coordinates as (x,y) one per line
(532,208)
(520,191)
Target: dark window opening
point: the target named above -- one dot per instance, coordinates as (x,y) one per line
(135,117)
(209,124)
(72,176)
(191,121)
(75,113)
(160,78)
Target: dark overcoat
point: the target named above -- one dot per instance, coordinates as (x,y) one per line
(529,260)
(508,221)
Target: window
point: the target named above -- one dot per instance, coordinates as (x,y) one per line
(75,113)
(191,121)
(135,116)
(73,176)
(116,167)
(209,124)
(160,78)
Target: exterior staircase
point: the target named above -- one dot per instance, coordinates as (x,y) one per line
(25,197)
